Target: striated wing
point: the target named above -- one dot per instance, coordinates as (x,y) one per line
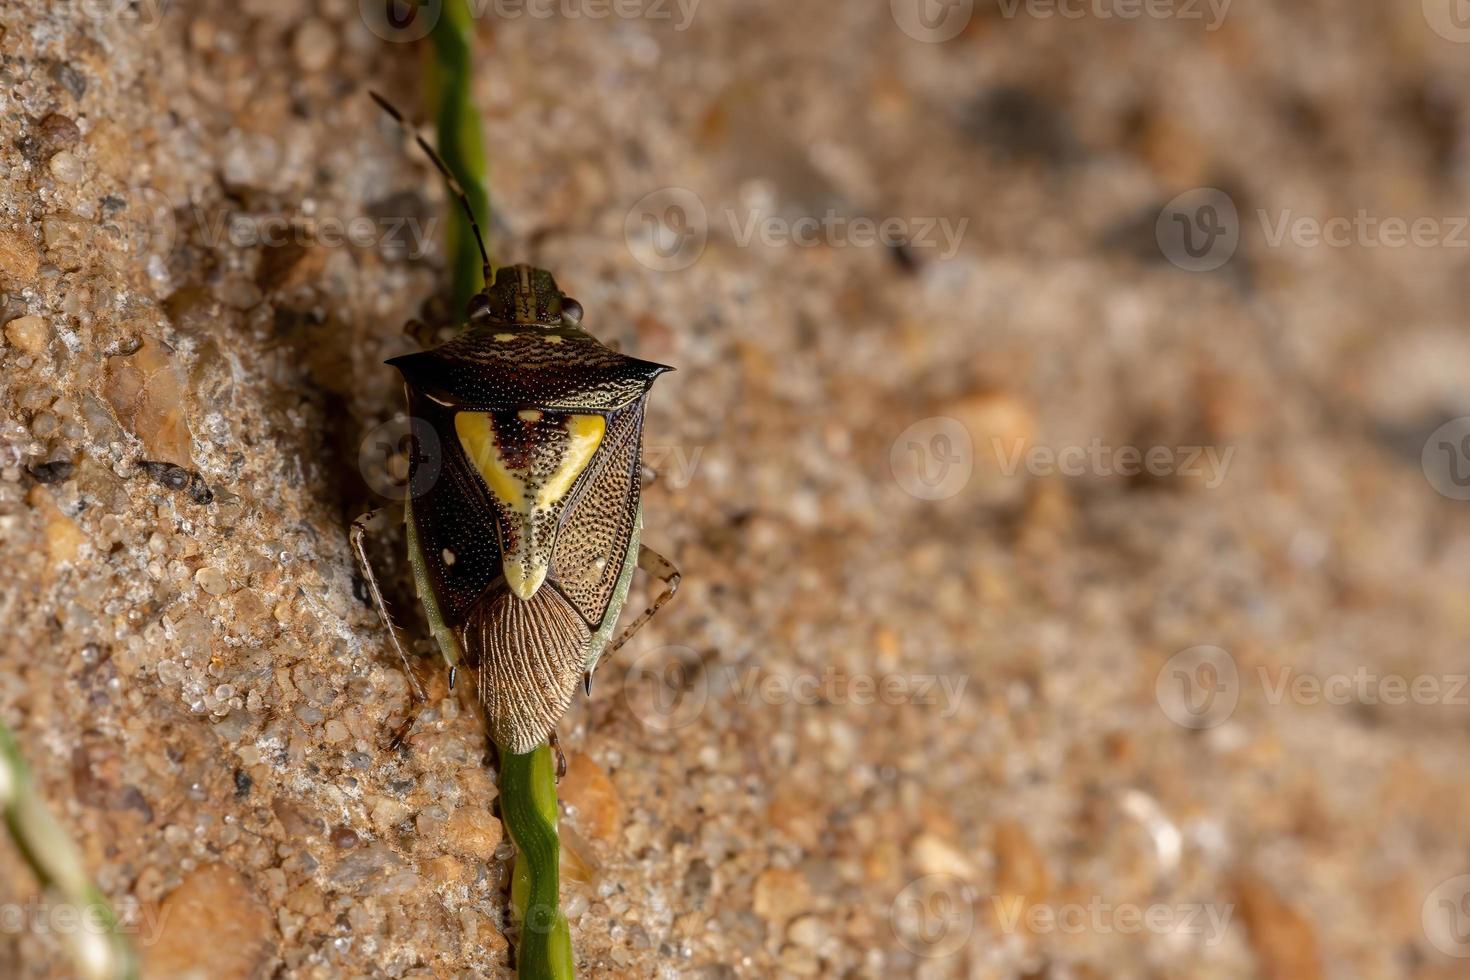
(530,657)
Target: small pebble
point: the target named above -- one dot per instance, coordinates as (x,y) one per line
(58,132)
(66,168)
(211,580)
(29,333)
(807,931)
(315,45)
(781,894)
(473,832)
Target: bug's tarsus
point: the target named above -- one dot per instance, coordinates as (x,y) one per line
(561,759)
(358,537)
(587,682)
(401,733)
(454,185)
(420,332)
(665,571)
(453,675)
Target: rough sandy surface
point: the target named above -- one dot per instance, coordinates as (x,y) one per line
(189,663)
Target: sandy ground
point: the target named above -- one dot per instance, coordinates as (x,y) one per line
(1077,592)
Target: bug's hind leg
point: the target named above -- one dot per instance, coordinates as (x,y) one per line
(561,760)
(358,536)
(665,571)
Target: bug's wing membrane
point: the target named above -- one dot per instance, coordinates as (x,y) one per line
(453,517)
(530,663)
(599,523)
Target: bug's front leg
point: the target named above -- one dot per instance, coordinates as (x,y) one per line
(665,571)
(358,536)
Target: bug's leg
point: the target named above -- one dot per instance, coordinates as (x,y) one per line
(561,759)
(420,332)
(358,536)
(661,568)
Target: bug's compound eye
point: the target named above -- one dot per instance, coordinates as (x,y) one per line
(479,307)
(571,312)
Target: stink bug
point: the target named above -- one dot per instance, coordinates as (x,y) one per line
(524,540)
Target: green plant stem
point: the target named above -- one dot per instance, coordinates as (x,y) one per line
(528,807)
(99,949)
(527,781)
(461,141)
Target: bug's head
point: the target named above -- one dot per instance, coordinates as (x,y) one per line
(522,295)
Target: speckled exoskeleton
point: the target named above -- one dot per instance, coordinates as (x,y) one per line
(524,539)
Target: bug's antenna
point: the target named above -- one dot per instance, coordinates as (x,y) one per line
(449,178)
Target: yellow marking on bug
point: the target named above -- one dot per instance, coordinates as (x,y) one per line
(531,490)
(529,415)
(553,339)
(505,336)
(585,434)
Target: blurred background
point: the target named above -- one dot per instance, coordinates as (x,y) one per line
(1067,460)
